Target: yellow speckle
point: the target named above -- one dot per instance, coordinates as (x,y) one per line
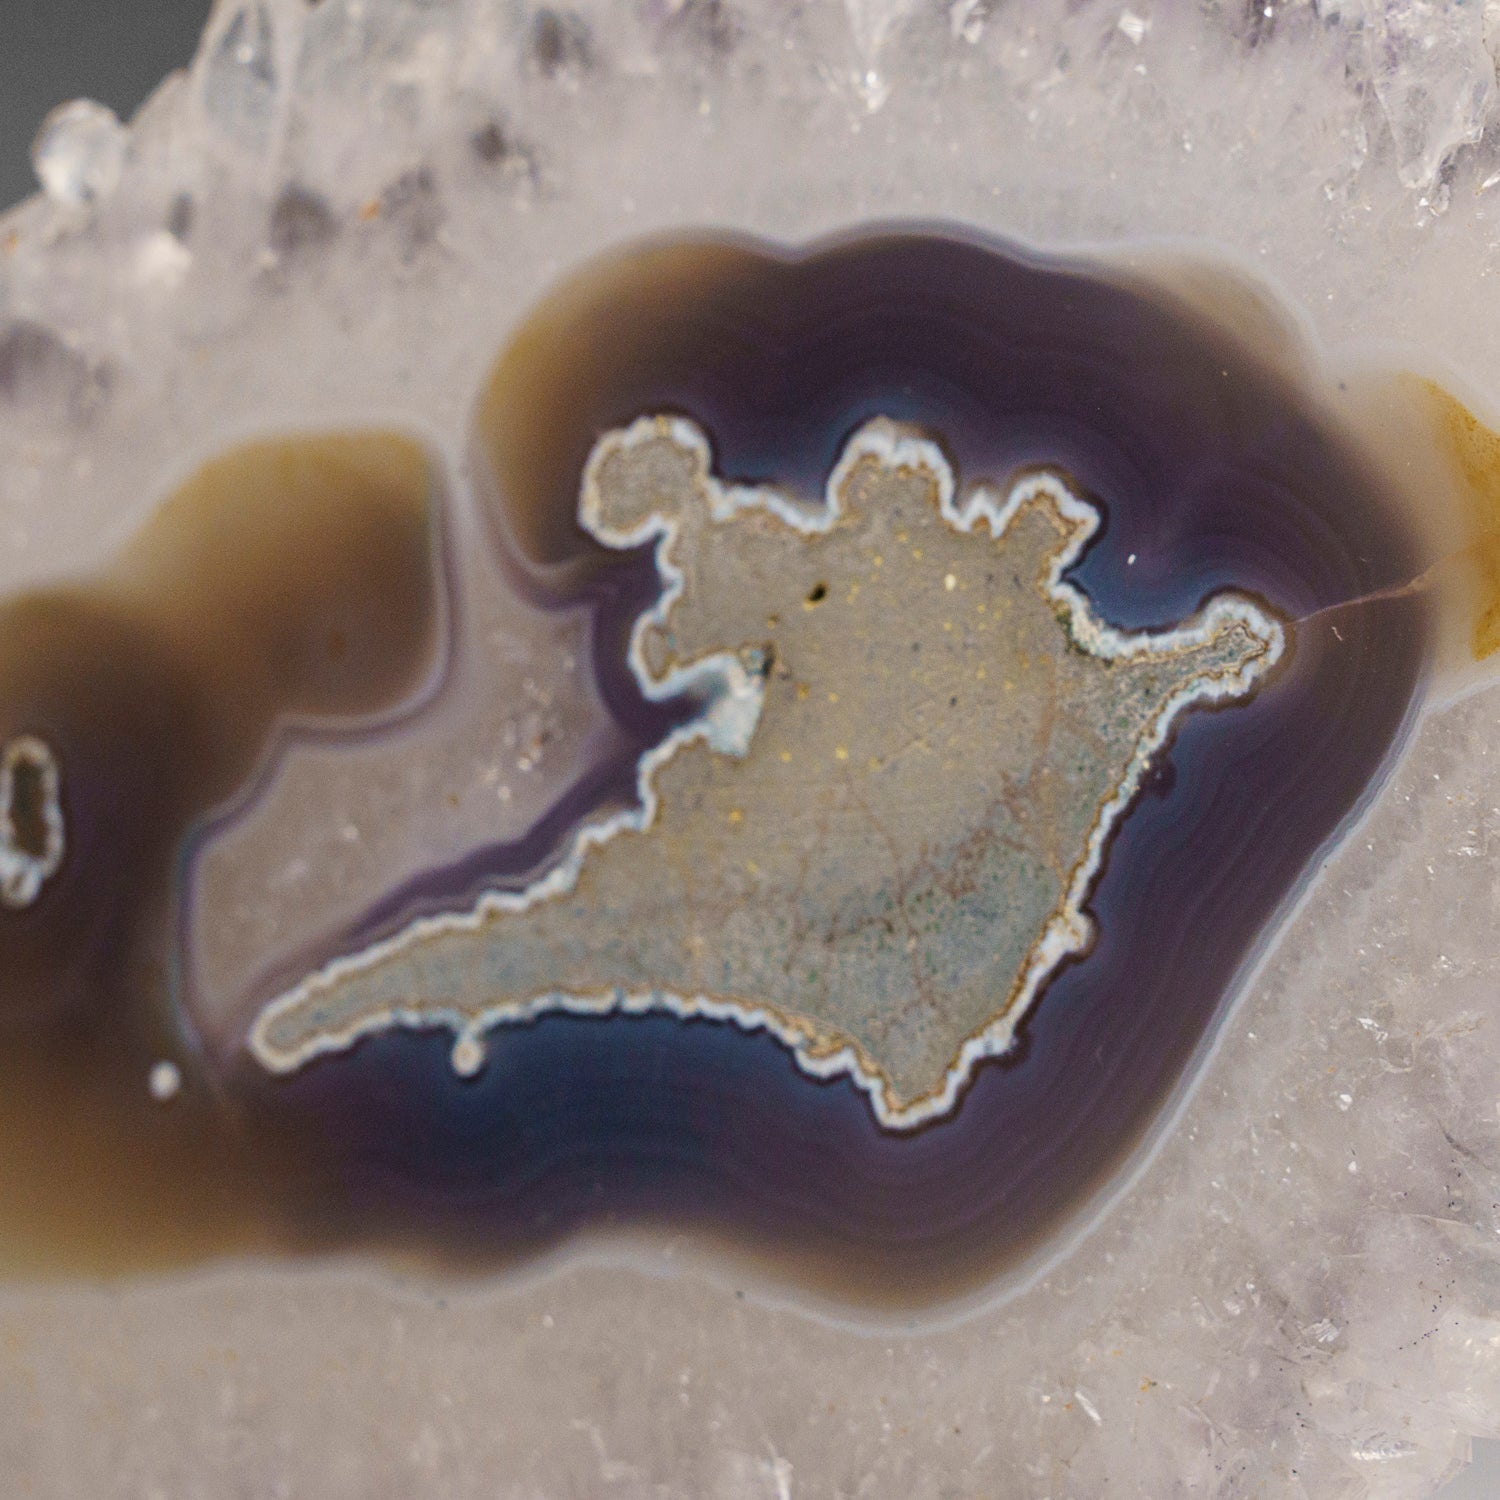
(916,554)
(833,697)
(752,867)
(900,536)
(874,762)
(980,674)
(950,582)
(878,560)
(736,816)
(786,755)
(947,624)
(840,753)
(1010,687)
(802,691)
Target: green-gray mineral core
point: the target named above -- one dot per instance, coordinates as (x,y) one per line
(877,837)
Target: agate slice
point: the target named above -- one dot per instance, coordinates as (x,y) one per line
(450,454)
(957,657)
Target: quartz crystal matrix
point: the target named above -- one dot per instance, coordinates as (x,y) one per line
(905,803)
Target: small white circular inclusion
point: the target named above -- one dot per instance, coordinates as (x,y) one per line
(165,1080)
(467,1056)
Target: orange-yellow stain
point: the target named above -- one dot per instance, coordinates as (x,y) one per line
(1474,450)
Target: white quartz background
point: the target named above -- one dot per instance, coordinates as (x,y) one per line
(1299,1293)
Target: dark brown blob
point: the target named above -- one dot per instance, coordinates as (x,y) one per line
(289,580)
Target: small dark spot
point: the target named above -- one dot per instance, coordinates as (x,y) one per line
(953,702)
(495,145)
(38,367)
(490,143)
(561,43)
(819,593)
(28,803)
(410,188)
(1259,23)
(180,217)
(710,26)
(413,204)
(30,354)
(300,220)
(515,159)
